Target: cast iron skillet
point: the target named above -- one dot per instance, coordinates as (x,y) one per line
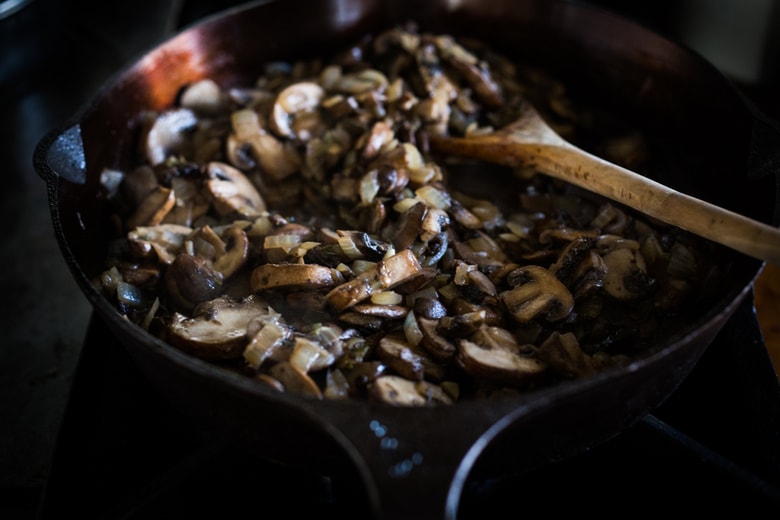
(414,462)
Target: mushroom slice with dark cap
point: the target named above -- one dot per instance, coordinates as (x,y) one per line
(497,364)
(276,158)
(298,101)
(236,251)
(398,391)
(217,329)
(434,343)
(233,193)
(626,274)
(169,134)
(536,293)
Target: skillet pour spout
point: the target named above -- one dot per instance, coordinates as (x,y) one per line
(417,462)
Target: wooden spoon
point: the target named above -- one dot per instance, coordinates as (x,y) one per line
(529,141)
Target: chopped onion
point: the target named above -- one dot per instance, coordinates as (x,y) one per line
(284,242)
(309,355)
(349,247)
(150,315)
(386,298)
(336,385)
(412,330)
(433,197)
(360,265)
(404,204)
(369,186)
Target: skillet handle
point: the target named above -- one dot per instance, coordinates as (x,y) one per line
(415,462)
(60,155)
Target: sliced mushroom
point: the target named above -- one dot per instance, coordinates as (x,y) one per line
(153,209)
(409,226)
(233,192)
(571,257)
(295,380)
(397,391)
(204,97)
(192,202)
(384,311)
(397,355)
(430,308)
(496,364)
(434,343)
(191,280)
(385,275)
(536,293)
(164,241)
(298,101)
(217,329)
(169,134)
(279,160)
(293,276)
(235,254)
(626,277)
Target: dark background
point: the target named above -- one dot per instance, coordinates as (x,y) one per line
(55,54)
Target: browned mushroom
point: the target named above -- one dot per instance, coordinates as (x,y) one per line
(277,159)
(536,293)
(217,329)
(497,364)
(397,355)
(204,97)
(398,391)
(437,345)
(295,380)
(169,134)
(236,252)
(163,242)
(293,276)
(626,277)
(294,113)
(153,209)
(191,280)
(233,192)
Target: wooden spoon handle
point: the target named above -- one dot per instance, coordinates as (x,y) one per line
(697,216)
(562,160)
